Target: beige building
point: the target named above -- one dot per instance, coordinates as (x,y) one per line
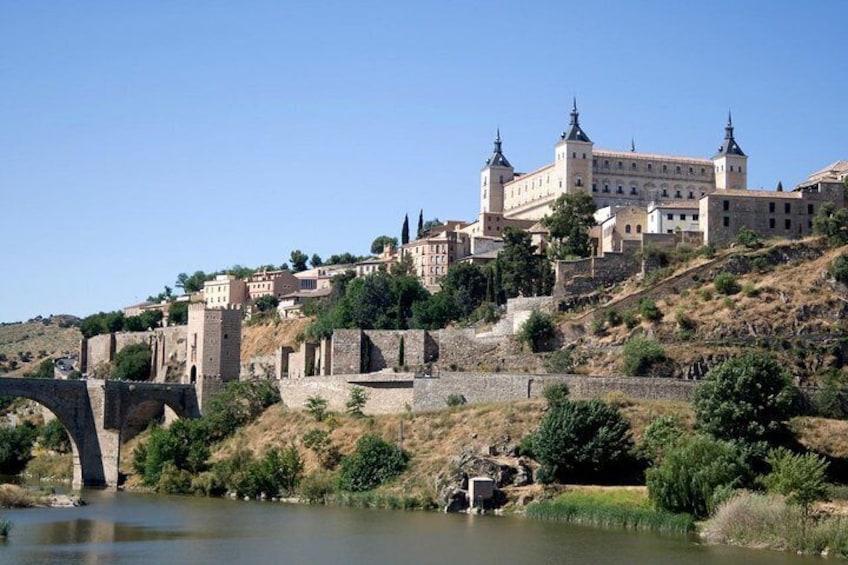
(224,291)
(617,224)
(320,277)
(271,283)
(614,178)
(433,254)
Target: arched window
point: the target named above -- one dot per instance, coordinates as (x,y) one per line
(638,228)
(627,228)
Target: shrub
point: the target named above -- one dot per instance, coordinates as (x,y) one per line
(661,436)
(317,488)
(582,440)
(559,362)
(648,309)
(537,330)
(750,290)
(613,317)
(748,238)
(690,474)
(356,401)
(16,447)
(800,478)
(726,283)
(372,463)
(706,294)
(761,264)
(238,404)
(53,435)
(597,327)
(44,370)
(317,407)
(132,363)
(631,320)
(5,527)
(746,398)
(838,269)
(455,399)
(556,394)
(642,356)
(316,439)
(832,223)
(184,445)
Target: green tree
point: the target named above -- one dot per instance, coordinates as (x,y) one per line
(802,479)
(238,404)
(317,407)
(690,474)
(404,232)
(537,330)
(44,370)
(642,356)
(372,463)
(748,238)
(663,434)
(518,263)
(266,303)
(346,258)
(194,282)
(178,313)
(571,217)
(315,261)
(832,223)
(16,447)
(838,269)
(185,445)
(467,284)
(132,363)
(298,260)
(582,440)
(356,401)
(420,231)
(53,435)
(381,241)
(557,395)
(746,398)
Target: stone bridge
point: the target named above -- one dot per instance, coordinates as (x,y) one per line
(96,412)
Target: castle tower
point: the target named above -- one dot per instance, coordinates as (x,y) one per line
(731,164)
(213,356)
(494,174)
(573,162)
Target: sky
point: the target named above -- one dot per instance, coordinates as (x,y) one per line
(139,140)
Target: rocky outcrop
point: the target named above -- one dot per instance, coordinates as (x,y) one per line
(504,470)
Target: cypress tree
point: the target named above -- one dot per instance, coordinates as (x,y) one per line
(490,286)
(404,231)
(421,222)
(500,295)
(779,186)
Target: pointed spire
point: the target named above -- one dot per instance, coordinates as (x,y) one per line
(575,133)
(729,147)
(632,145)
(497,159)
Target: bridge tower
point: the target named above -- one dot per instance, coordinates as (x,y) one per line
(213,355)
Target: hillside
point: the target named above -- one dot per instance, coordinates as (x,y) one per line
(784,301)
(23,345)
(263,339)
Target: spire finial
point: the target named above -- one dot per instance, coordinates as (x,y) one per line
(729,119)
(574,104)
(574,113)
(632,145)
(498,137)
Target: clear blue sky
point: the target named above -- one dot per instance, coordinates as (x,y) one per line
(142,139)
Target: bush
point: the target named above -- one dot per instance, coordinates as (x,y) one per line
(648,309)
(356,401)
(455,399)
(537,330)
(613,317)
(317,406)
(631,320)
(761,264)
(838,269)
(317,488)
(726,283)
(746,398)
(748,238)
(16,447)
(662,435)
(372,463)
(832,223)
(800,478)
(44,370)
(582,440)
(690,474)
(559,362)
(557,394)
(53,435)
(642,356)
(238,404)
(132,363)
(184,446)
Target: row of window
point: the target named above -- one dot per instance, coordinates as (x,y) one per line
(690,195)
(650,167)
(682,217)
(787,207)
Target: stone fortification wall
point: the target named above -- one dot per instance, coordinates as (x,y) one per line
(347,352)
(389,395)
(457,347)
(259,367)
(477,388)
(385,348)
(99,350)
(167,347)
(585,275)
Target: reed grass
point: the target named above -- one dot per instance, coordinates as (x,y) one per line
(611,508)
(5,528)
(371,499)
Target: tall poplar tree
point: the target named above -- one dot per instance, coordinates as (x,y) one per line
(404,231)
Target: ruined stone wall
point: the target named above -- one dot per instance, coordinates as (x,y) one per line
(585,275)
(385,348)
(99,350)
(347,351)
(259,367)
(477,388)
(388,396)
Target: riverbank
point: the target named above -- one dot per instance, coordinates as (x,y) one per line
(15,496)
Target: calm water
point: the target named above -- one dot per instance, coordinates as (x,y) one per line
(140,528)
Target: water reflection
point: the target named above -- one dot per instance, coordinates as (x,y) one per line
(83,530)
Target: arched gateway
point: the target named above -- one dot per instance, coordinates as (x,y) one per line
(94,412)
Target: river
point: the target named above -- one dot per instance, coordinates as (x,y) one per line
(148,528)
